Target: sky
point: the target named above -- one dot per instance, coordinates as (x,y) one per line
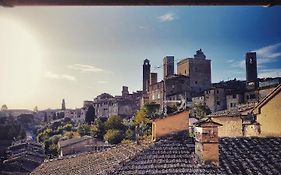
(76,53)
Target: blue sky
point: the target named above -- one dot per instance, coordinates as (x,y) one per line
(85,51)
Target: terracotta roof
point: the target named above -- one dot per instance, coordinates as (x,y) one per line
(64,143)
(89,163)
(235,112)
(267,99)
(206,122)
(245,155)
(237,156)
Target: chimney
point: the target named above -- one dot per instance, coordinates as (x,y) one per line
(207,141)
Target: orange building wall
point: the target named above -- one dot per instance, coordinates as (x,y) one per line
(170,124)
(270,117)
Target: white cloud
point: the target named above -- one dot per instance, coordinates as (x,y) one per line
(269,73)
(85,68)
(268,53)
(167,17)
(237,64)
(52,75)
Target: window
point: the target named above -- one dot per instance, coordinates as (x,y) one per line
(234,96)
(218,91)
(218,103)
(195,82)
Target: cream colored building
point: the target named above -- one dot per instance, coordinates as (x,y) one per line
(268,113)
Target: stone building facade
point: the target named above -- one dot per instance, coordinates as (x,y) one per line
(107,105)
(215,99)
(231,124)
(156,93)
(168,66)
(198,69)
(233,100)
(172,88)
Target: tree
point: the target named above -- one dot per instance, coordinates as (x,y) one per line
(114,136)
(98,129)
(130,134)
(114,122)
(171,109)
(90,115)
(200,111)
(152,109)
(83,129)
(67,127)
(4,107)
(142,117)
(71,134)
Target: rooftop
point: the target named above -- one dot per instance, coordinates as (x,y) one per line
(173,155)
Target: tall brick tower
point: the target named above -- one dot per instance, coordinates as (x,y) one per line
(168,66)
(145,75)
(251,67)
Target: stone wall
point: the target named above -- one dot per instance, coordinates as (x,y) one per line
(231,126)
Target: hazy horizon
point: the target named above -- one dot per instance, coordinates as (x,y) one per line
(76,53)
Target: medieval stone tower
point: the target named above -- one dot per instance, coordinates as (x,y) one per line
(251,67)
(146,75)
(168,66)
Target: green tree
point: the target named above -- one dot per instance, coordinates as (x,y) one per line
(130,134)
(71,134)
(68,127)
(98,129)
(4,107)
(152,109)
(171,109)
(84,129)
(114,136)
(114,122)
(142,117)
(90,115)
(200,111)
